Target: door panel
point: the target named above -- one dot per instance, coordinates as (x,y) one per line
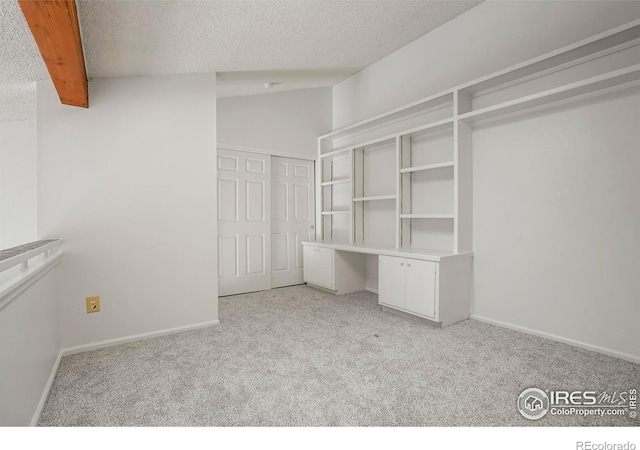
(391,287)
(279,252)
(420,285)
(244,222)
(293,216)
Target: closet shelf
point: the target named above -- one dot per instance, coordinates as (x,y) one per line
(427,167)
(377,197)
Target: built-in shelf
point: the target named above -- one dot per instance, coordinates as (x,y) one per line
(426,216)
(377,197)
(427,167)
(334,182)
(436,133)
(333,213)
(598,85)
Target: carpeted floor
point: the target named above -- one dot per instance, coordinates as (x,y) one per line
(300,357)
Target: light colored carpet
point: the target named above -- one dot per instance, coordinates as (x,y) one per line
(298,356)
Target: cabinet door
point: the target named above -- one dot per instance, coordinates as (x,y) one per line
(420,284)
(318,266)
(391,281)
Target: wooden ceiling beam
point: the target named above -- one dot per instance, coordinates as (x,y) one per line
(55,28)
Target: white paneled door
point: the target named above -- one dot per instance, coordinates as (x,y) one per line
(292,217)
(244,222)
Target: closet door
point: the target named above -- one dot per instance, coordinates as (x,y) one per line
(244,222)
(292,217)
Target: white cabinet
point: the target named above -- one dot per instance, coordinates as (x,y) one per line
(318,266)
(408,285)
(339,272)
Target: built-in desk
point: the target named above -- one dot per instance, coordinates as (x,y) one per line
(431,284)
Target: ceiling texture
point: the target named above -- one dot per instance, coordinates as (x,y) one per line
(298,44)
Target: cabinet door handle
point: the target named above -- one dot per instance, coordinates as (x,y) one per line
(402,264)
(408,264)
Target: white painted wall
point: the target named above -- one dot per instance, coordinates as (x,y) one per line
(489,37)
(18,181)
(130,186)
(556,212)
(557,220)
(284,122)
(29,333)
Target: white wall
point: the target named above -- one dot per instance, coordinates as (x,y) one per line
(489,37)
(285,122)
(18,180)
(29,333)
(557,222)
(130,186)
(556,211)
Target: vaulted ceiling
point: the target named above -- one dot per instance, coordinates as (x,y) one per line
(301,44)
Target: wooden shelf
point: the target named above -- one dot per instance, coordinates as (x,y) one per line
(377,197)
(334,182)
(427,167)
(426,216)
(334,213)
(601,84)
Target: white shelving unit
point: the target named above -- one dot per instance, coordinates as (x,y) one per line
(425,177)
(407,194)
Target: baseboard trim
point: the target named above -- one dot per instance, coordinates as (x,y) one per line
(553,337)
(45,392)
(138,337)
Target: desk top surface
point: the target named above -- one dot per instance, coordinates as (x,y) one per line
(402,252)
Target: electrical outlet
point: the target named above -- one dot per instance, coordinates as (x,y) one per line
(93,304)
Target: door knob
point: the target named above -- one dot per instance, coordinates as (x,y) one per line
(408,264)
(402,264)
(313,227)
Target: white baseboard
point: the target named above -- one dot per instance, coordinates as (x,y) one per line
(553,337)
(138,337)
(45,392)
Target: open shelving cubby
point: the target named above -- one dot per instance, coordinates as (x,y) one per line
(427,162)
(335,194)
(374,192)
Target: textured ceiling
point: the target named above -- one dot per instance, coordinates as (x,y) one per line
(298,43)
(20,65)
